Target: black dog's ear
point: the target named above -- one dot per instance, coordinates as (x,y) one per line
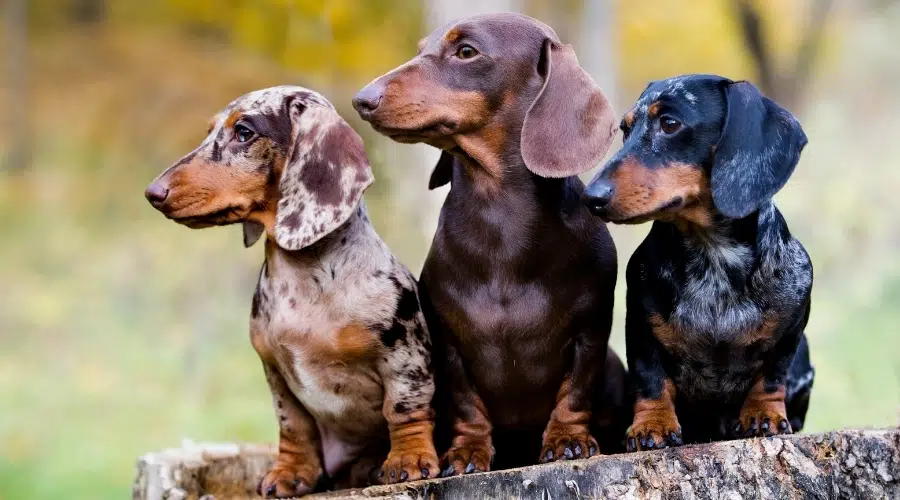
(757,152)
(443,171)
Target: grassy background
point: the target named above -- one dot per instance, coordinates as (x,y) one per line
(122,333)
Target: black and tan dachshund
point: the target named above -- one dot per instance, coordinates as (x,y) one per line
(719,291)
(518,286)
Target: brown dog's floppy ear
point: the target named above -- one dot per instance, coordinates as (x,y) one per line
(571,124)
(324,176)
(443,171)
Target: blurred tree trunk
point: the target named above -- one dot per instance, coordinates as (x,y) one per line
(780,84)
(17,122)
(87,11)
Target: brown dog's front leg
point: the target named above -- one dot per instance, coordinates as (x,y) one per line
(298,466)
(471,449)
(568,433)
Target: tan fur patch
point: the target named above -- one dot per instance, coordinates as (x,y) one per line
(653,109)
(452,35)
(672,338)
(567,426)
(233,118)
(629,119)
(664,332)
(656,418)
(641,191)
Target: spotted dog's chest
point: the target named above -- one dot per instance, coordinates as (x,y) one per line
(340,392)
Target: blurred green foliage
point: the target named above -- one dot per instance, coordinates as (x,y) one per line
(122,333)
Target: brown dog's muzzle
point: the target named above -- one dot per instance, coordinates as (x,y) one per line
(409,105)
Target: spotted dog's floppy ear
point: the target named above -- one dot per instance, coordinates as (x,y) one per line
(759,147)
(323,178)
(443,171)
(570,125)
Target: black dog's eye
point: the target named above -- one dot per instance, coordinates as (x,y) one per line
(466,52)
(669,125)
(242,133)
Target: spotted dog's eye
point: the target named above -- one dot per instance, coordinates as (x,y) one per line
(669,125)
(242,133)
(466,52)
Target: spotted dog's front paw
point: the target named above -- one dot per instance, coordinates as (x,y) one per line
(409,465)
(288,481)
(473,455)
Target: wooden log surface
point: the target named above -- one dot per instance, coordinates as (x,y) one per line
(849,464)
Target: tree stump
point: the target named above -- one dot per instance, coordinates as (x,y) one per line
(850,464)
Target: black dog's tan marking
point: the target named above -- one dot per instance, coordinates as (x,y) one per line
(719,291)
(335,318)
(518,285)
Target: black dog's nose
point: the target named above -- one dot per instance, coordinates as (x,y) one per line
(368,99)
(597,195)
(156,194)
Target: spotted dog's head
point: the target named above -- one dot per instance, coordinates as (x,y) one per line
(493,87)
(279,160)
(697,147)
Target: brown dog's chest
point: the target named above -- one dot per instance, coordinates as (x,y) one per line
(514,346)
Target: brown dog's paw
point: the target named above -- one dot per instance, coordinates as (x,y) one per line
(287,481)
(409,465)
(471,457)
(763,421)
(568,445)
(653,431)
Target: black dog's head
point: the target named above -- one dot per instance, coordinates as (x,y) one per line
(695,146)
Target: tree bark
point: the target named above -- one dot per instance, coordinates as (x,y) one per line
(851,464)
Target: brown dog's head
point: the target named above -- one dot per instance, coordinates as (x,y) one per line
(494,88)
(279,160)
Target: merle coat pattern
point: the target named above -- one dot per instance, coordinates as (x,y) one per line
(719,291)
(335,318)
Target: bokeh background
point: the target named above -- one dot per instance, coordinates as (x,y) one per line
(122,333)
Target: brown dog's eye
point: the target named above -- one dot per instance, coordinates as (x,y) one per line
(466,52)
(669,125)
(242,133)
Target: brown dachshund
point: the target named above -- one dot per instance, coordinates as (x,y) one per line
(518,286)
(335,318)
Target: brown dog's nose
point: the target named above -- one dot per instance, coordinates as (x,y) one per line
(368,99)
(156,194)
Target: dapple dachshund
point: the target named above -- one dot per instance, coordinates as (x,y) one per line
(517,288)
(719,291)
(335,318)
